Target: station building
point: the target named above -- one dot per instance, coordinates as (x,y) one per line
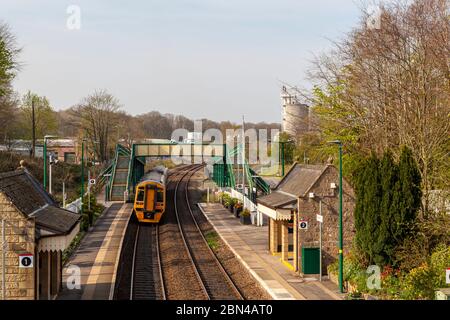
(34,232)
(292,207)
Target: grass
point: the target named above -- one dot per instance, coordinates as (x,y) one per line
(213,240)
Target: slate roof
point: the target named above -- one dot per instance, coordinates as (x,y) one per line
(296,183)
(276,199)
(300,178)
(28,196)
(24,191)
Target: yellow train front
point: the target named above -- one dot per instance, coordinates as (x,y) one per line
(150,197)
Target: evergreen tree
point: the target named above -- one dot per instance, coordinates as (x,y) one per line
(367,210)
(385,244)
(408,196)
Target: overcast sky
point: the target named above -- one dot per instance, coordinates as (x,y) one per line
(217,59)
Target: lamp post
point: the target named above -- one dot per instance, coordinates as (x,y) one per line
(82,173)
(341,246)
(45,158)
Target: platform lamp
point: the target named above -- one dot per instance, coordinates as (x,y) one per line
(82,173)
(47,137)
(341,246)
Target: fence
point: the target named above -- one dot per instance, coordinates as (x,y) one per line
(257,217)
(74,206)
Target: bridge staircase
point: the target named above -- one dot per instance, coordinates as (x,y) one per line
(120,171)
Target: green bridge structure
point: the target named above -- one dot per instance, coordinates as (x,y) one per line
(128,166)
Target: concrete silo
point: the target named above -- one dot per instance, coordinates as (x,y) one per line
(295,115)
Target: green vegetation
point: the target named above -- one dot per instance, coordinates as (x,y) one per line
(213,239)
(70,173)
(395,133)
(245,213)
(412,253)
(417,283)
(72,247)
(93,214)
(387,201)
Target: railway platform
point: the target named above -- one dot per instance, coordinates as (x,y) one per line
(249,244)
(97,256)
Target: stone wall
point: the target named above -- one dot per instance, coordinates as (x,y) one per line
(20,238)
(308,208)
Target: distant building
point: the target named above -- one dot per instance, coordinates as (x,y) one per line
(295,115)
(36,231)
(194,137)
(64,149)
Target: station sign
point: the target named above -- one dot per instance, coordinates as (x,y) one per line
(303,225)
(25,260)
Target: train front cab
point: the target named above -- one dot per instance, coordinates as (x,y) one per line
(149,204)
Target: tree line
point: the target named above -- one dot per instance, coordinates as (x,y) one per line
(383,87)
(384,92)
(99,117)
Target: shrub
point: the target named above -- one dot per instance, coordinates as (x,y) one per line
(418,283)
(226,200)
(245,213)
(440,260)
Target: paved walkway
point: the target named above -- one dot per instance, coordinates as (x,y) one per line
(249,244)
(97,256)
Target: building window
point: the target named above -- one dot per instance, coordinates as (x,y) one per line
(69,157)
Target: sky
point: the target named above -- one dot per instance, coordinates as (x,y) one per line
(216,59)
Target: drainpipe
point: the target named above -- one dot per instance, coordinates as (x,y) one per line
(3,260)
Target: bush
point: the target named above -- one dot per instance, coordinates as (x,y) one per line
(226,199)
(440,260)
(421,282)
(245,213)
(418,283)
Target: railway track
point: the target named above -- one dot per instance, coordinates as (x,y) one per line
(147,281)
(154,270)
(212,276)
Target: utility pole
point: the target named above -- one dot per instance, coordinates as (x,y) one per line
(33,125)
(82,174)
(50,175)
(64,194)
(46,137)
(89,191)
(320,240)
(341,240)
(243,163)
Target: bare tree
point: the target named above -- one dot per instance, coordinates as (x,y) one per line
(391,85)
(96,116)
(9,65)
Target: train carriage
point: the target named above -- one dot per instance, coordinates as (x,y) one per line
(150,197)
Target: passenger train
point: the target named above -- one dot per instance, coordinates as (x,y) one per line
(150,197)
